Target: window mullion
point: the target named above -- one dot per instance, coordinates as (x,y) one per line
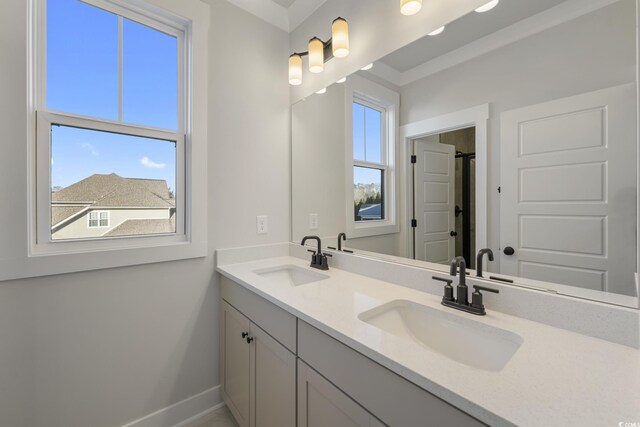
(120,65)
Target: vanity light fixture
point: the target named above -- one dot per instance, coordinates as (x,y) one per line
(320,52)
(488,6)
(410,7)
(436,31)
(367,67)
(295,70)
(321,91)
(342,80)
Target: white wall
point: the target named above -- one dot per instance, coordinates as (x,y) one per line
(566,60)
(103,348)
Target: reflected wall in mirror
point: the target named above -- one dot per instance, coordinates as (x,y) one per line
(513,130)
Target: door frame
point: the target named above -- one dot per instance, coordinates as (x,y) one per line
(471,117)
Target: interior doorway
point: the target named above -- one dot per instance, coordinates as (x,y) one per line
(444,196)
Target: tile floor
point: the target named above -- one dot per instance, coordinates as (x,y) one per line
(218,418)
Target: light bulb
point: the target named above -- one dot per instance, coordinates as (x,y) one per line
(295,70)
(410,7)
(316,55)
(488,6)
(340,38)
(437,31)
(367,67)
(321,91)
(342,80)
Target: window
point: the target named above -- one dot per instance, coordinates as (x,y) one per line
(371,184)
(117,134)
(98,219)
(117,68)
(369,159)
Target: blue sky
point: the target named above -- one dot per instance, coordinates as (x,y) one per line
(366,134)
(82,78)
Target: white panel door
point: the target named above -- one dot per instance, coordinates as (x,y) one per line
(434,201)
(568,201)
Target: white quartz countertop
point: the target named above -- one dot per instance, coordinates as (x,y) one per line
(556,378)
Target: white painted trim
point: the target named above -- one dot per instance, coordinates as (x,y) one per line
(542,21)
(474,116)
(181,413)
(357,87)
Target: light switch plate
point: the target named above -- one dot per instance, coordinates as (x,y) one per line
(313,221)
(262,224)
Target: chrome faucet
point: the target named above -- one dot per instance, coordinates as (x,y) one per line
(318,259)
(461,302)
(481,253)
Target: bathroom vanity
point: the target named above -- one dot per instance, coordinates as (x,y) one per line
(309,348)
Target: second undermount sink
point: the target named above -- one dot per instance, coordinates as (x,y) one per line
(464,340)
(291,275)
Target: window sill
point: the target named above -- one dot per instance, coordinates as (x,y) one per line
(369,229)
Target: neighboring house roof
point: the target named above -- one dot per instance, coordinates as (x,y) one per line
(370,211)
(132,227)
(60,213)
(115,191)
(109,191)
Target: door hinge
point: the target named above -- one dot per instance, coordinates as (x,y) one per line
(414,158)
(414,223)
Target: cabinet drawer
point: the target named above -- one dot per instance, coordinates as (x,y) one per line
(391,398)
(271,318)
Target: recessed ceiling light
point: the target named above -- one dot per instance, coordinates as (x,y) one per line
(321,91)
(367,67)
(437,31)
(342,80)
(488,6)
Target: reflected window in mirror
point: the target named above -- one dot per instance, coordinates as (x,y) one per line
(369,161)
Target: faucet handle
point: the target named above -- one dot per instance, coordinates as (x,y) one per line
(479,288)
(448,289)
(476,298)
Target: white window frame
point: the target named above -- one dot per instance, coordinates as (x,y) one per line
(98,214)
(373,95)
(384,143)
(40,255)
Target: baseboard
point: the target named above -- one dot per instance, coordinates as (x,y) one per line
(183,412)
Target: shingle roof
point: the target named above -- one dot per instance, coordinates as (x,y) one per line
(109,191)
(115,191)
(58,213)
(132,227)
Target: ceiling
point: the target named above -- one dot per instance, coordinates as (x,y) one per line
(476,34)
(284,14)
(465,30)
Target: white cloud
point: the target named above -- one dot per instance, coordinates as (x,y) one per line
(148,163)
(89,148)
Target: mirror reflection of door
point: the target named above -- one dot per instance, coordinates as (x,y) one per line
(444,196)
(569,190)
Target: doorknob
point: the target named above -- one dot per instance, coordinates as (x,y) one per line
(453,233)
(509,251)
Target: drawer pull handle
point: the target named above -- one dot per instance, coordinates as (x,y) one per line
(249,339)
(245,334)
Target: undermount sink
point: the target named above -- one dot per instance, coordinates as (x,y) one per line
(463,340)
(291,275)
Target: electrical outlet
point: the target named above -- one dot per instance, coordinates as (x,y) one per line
(262,224)
(313,221)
